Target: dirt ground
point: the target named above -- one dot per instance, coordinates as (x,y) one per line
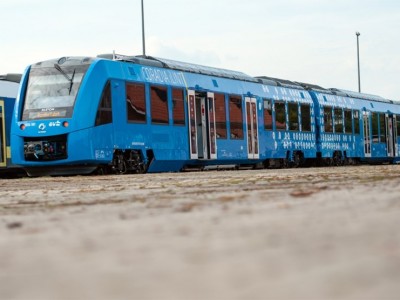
(318,233)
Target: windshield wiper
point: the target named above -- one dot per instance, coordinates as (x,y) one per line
(71,80)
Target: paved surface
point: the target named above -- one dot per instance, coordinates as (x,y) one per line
(324,233)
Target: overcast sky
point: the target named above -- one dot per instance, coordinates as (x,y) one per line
(306,40)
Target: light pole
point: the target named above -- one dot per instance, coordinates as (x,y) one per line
(358,60)
(143,38)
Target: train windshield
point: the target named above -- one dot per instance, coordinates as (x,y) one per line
(51,91)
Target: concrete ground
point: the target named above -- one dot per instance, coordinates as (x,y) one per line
(318,233)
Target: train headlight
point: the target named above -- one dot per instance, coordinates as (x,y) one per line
(65,124)
(22,126)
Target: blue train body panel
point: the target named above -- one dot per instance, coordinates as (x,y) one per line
(145,114)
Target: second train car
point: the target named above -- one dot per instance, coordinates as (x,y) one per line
(9,84)
(143,114)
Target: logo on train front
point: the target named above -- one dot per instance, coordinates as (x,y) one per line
(42,126)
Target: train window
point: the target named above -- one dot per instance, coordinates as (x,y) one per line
(375,127)
(356,117)
(104,112)
(293,116)
(236,117)
(178,111)
(382,128)
(305,117)
(2,148)
(267,114)
(136,102)
(348,124)
(338,120)
(398,125)
(328,119)
(280,115)
(159,105)
(220,115)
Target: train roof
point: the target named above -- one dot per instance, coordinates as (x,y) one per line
(317,88)
(345,93)
(9,85)
(65,61)
(224,73)
(287,83)
(180,66)
(363,96)
(13,77)
(354,95)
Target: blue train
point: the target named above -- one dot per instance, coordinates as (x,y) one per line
(9,84)
(133,114)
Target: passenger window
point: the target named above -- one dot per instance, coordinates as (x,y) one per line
(293,116)
(104,112)
(2,148)
(305,117)
(338,120)
(375,128)
(398,125)
(356,117)
(159,105)
(136,102)
(267,114)
(382,128)
(348,124)
(328,119)
(280,115)
(178,107)
(220,115)
(236,117)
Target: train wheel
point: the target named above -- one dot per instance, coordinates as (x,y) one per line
(121,167)
(297,159)
(119,164)
(337,158)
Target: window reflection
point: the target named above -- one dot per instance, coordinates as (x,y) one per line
(236,117)
(280,115)
(348,124)
(267,114)
(220,115)
(104,112)
(159,105)
(136,102)
(328,122)
(293,116)
(305,117)
(178,107)
(338,120)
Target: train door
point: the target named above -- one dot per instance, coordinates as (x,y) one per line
(391,135)
(252,128)
(3,146)
(367,134)
(202,126)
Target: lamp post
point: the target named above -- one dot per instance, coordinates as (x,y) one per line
(143,39)
(358,60)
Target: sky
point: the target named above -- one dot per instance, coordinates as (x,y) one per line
(311,41)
